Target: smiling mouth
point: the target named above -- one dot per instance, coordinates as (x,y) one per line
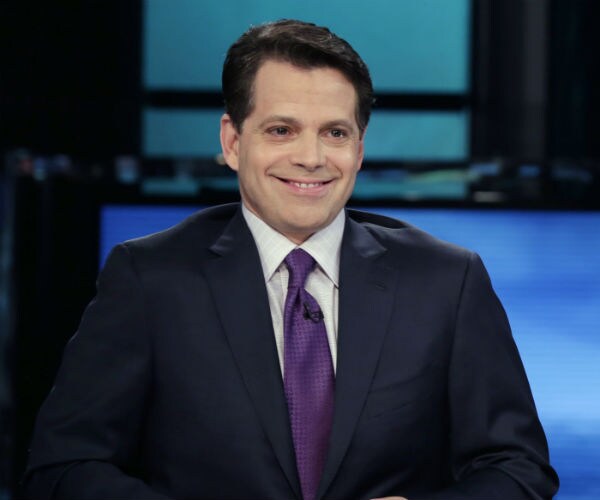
(305,185)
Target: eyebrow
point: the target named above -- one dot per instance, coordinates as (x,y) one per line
(279,118)
(340,123)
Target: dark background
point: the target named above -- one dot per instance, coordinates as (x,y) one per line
(70,83)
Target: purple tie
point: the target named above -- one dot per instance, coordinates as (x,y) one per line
(308,374)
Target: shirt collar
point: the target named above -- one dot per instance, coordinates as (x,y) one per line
(324,246)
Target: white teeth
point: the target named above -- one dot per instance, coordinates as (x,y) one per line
(304,185)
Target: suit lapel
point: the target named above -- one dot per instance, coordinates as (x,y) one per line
(237,282)
(365,303)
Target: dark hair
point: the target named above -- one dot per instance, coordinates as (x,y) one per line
(305,45)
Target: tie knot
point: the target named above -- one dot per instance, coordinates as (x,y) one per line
(299,264)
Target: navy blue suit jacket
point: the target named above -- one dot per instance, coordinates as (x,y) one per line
(171,387)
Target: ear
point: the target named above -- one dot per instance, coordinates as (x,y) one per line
(230,140)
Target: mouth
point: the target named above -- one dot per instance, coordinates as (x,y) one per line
(304,185)
(307,185)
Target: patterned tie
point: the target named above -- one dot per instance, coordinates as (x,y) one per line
(308,374)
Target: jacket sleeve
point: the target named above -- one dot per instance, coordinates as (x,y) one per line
(86,441)
(499,449)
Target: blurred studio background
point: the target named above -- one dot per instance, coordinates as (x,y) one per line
(486,132)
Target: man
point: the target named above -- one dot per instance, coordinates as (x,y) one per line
(219,361)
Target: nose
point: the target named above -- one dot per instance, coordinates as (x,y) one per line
(308,152)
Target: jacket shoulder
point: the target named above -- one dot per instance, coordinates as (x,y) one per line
(182,244)
(200,228)
(395,234)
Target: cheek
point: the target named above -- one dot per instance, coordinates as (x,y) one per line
(257,162)
(254,178)
(347,159)
(349,172)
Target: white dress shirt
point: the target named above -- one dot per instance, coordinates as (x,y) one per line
(322,283)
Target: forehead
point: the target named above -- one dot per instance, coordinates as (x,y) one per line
(279,83)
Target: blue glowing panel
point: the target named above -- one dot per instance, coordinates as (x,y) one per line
(409,45)
(546,270)
(181,133)
(424,135)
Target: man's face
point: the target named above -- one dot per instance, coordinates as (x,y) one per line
(300,149)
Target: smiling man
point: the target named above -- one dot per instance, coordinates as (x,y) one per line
(287,347)
(297,153)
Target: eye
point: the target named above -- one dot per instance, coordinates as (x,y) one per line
(338,133)
(279,131)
